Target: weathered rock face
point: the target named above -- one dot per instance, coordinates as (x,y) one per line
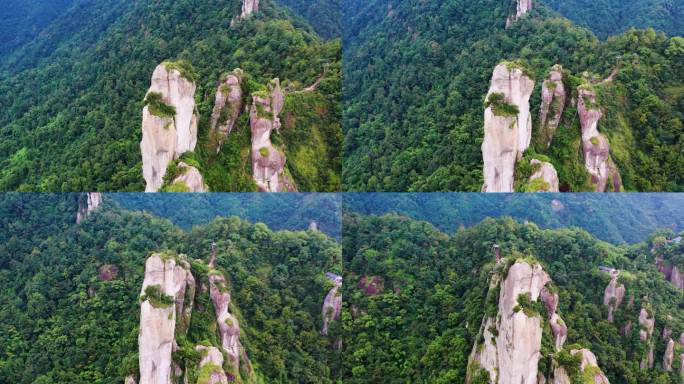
(553,103)
(671,272)
(249,7)
(268,163)
(558,327)
(229,328)
(669,356)
(166,136)
(522,7)
(647,326)
(545,178)
(507,135)
(597,159)
(227,106)
(212,360)
(163,293)
(589,361)
(512,357)
(613,295)
(313,226)
(332,305)
(87,204)
(130,379)
(190,178)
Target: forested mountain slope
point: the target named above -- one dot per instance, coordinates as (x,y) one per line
(23,20)
(323,15)
(614,218)
(610,17)
(416,299)
(72,293)
(73,97)
(417,75)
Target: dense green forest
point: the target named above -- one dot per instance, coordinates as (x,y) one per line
(614,218)
(416,75)
(323,15)
(280,211)
(72,98)
(70,310)
(23,20)
(415,297)
(610,17)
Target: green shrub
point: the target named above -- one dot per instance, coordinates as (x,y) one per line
(155,103)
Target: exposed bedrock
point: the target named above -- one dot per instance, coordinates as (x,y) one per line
(544,178)
(190,178)
(669,355)
(227,106)
(613,295)
(162,301)
(671,273)
(597,161)
(553,103)
(646,329)
(507,126)
(87,204)
(332,305)
(212,365)
(522,7)
(268,162)
(169,126)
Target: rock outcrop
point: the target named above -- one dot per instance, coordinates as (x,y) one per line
(87,204)
(646,328)
(212,365)
(589,366)
(227,106)
(511,350)
(228,326)
(604,173)
(130,379)
(268,163)
(169,126)
(522,7)
(332,305)
(613,295)
(249,7)
(669,356)
(189,179)
(167,277)
(544,178)
(512,356)
(508,126)
(671,273)
(553,103)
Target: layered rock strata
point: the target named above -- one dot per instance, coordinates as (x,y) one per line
(332,305)
(268,162)
(507,127)
(596,149)
(169,126)
(87,204)
(227,106)
(553,103)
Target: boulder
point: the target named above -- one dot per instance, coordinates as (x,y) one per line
(169,126)
(553,103)
(227,106)
(596,148)
(544,178)
(190,179)
(507,127)
(268,163)
(590,364)
(212,365)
